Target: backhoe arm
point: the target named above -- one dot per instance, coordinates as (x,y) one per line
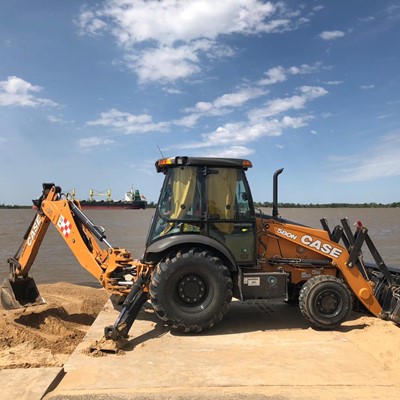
(113,267)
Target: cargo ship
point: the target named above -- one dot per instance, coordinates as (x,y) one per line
(133,200)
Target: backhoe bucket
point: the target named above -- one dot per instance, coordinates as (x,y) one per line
(18,293)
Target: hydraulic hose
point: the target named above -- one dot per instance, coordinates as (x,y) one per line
(95,230)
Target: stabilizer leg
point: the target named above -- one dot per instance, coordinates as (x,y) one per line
(130,309)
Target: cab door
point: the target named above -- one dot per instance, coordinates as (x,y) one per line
(230,212)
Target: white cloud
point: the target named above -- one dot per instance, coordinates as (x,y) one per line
(277,106)
(305,69)
(277,25)
(58,120)
(312,92)
(280,105)
(333,83)
(16,92)
(242,132)
(167,22)
(261,122)
(165,63)
(232,152)
(227,102)
(188,121)
(379,161)
(220,106)
(331,35)
(367,87)
(235,134)
(172,91)
(238,98)
(268,120)
(93,141)
(318,8)
(128,123)
(296,122)
(54,119)
(326,115)
(367,19)
(280,74)
(274,75)
(89,23)
(384,116)
(164,40)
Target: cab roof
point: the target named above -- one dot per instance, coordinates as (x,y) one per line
(173,162)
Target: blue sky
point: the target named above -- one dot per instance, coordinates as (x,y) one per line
(89,91)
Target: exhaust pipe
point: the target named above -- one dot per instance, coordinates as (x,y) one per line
(275,193)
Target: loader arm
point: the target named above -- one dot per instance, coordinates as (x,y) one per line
(346,258)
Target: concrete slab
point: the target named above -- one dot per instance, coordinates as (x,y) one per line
(264,351)
(29,383)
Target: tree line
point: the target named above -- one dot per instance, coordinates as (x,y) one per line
(328,205)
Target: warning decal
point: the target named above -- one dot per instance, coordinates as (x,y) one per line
(252,281)
(64,225)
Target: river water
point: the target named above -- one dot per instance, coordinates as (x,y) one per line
(128,229)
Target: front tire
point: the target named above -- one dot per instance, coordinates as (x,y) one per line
(325,301)
(191,290)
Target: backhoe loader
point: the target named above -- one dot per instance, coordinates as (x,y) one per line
(206,244)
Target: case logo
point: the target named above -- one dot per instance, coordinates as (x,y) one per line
(316,244)
(325,248)
(34,230)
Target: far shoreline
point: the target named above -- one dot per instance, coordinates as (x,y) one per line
(263,205)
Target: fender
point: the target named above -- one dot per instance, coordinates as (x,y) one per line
(156,250)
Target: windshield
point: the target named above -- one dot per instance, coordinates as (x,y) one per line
(180,200)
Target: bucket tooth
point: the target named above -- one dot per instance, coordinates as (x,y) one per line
(20,292)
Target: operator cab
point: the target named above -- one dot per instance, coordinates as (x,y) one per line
(209,197)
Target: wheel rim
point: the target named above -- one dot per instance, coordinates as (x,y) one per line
(328,303)
(192,293)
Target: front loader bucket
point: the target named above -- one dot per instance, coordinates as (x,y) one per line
(21,292)
(387,291)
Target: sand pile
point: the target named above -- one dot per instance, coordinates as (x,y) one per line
(380,339)
(45,335)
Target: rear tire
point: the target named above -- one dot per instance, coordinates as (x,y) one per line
(325,301)
(191,290)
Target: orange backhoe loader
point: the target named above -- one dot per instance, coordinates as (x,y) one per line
(206,244)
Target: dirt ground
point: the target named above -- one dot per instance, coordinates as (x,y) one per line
(44,336)
(380,339)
